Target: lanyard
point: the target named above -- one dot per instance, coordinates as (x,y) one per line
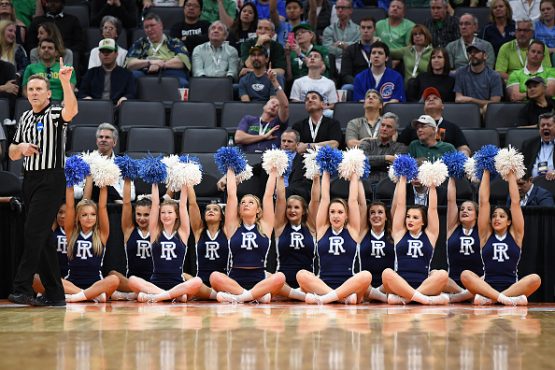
(522,62)
(376,128)
(464,47)
(156,48)
(314,131)
(262,129)
(213,54)
(365,57)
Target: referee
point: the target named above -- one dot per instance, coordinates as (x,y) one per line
(40,140)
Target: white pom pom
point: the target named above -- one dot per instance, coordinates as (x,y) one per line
(391,174)
(193,174)
(469,169)
(175,178)
(245,175)
(90,157)
(509,160)
(170,160)
(275,159)
(353,162)
(312,168)
(104,171)
(433,174)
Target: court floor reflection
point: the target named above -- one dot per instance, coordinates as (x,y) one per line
(270,337)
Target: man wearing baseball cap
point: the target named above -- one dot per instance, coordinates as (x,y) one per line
(427,146)
(538,103)
(447,131)
(476,82)
(109,81)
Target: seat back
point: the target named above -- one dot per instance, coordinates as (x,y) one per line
(210,176)
(4,110)
(297,112)
(499,189)
(141,113)
(79,11)
(464,115)
(192,114)
(344,112)
(477,138)
(367,12)
(384,191)
(83,139)
(502,115)
(203,140)
(516,136)
(546,184)
(418,15)
(150,139)
(406,112)
(169,15)
(210,89)
(94,112)
(233,112)
(158,89)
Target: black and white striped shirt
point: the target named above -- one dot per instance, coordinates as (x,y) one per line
(47,130)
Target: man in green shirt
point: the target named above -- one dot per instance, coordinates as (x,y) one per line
(219,10)
(395,29)
(49,68)
(427,146)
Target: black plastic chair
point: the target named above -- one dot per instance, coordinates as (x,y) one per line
(150,140)
(406,112)
(517,136)
(210,89)
(344,112)
(203,140)
(79,11)
(134,113)
(93,112)
(479,137)
(83,139)
(192,114)
(162,89)
(233,112)
(464,115)
(502,115)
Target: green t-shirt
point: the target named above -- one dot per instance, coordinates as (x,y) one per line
(52,75)
(432,153)
(394,37)
(520,76)
(24,10)
(509,61)
(210,10)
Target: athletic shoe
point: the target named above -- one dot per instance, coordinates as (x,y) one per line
(313,298)
(145,298)
(224,297)
(43,301)
(440,299)
(395,299)
(181,299)
(266,298)
(20,298)
(481,300)
(350,299)
(520,300)
(123,296)
(101,298)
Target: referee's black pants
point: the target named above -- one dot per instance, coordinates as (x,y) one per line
(43,193)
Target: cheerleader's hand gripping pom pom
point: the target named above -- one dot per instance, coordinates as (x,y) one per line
(328,159)
(405,165)
(391,174)
(510,160)
(484,159)
(455,162)
(128,167)
(354,162)
(311,167)
(104,172)
(432,174)
(230,157)
(152,170)
(470,170)
(245,175)
(275,159)
(76,170)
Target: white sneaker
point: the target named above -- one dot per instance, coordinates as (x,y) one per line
(145,298)
(119,296)
(520,300)
(350,300)
(100,298)
(395,299)
(224,297)
(313,298)
(441,299)
(462,296)
(266,298)
(481,300)
(182,299)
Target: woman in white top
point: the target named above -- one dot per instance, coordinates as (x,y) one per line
(110,28)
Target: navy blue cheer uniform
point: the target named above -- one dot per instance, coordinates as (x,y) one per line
(138,253)
(338,257)
(501,256)
(412,258)
(376,254)
(295,252)
(248,251)
(168,256)
(85,267)
(60,241)
(463,253)
(212,255)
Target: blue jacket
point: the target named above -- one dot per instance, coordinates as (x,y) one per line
(122,84)
(391,85)
(538,197)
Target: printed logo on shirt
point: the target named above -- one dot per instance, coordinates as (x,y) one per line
(257,87)
(386,91)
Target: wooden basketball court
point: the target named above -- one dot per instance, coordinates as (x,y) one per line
(276,336)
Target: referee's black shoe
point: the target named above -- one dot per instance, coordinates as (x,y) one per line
(20,298)
(43,301)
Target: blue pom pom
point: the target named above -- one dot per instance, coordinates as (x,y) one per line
(76,170)
(485,160)
(405,165)
(128,166)
(186,158)
(367,169)
(230,157)
(329,159)
(455,163)
(152,170)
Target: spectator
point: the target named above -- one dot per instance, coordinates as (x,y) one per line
(216,58)
(109,81)
(538,154)
(538,103)
(446,131)
(153,3)
(319,14)
(501,16)
(416,56)
(516,85)
(264,9)
(436,76)
(9,87)
(48,67)
(341,34)
(222,10)
(427,146)
(192,31)
(110,28)
(545,26)
(256,85)
(244,27)
(294,17)
(365,128)
(124,10)
(512,55)
(25,10)
(532,195)
(381,152)
(314,81)
(317,130)
(468,27)
(7,13)
(10,51)
(379,77)
(394,31)
(356,57)
(157,54)
(477,82)
(296,53)
(51,31)
(443,27)
(72,33)
(257,134)
(525,9)
(265,33)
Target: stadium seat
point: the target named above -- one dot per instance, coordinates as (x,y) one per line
(499,189)
(94,36)
(339,188)
(297,112)
(169,15)
(546,184)
(516,136)
(481,13)
(10,184)
(153,140)
(479,137)
(233,112)
(464,115)
(344,112)
(210,89)
(367,12)
(79,11)
(93,112)
(141,113)
(4,110)
(21,105)
(465,191)
(418,15)
(406,112)
(83,139)
(384,191)
(162,89)
(203,140)
(210,176)
(192,114)
(502,115)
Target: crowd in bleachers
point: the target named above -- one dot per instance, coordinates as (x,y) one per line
(136,61)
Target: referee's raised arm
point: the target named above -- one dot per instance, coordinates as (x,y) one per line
(70,101)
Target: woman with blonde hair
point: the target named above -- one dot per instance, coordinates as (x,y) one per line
(501,28)
(10,51)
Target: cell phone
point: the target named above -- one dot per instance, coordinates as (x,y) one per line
(291,38)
